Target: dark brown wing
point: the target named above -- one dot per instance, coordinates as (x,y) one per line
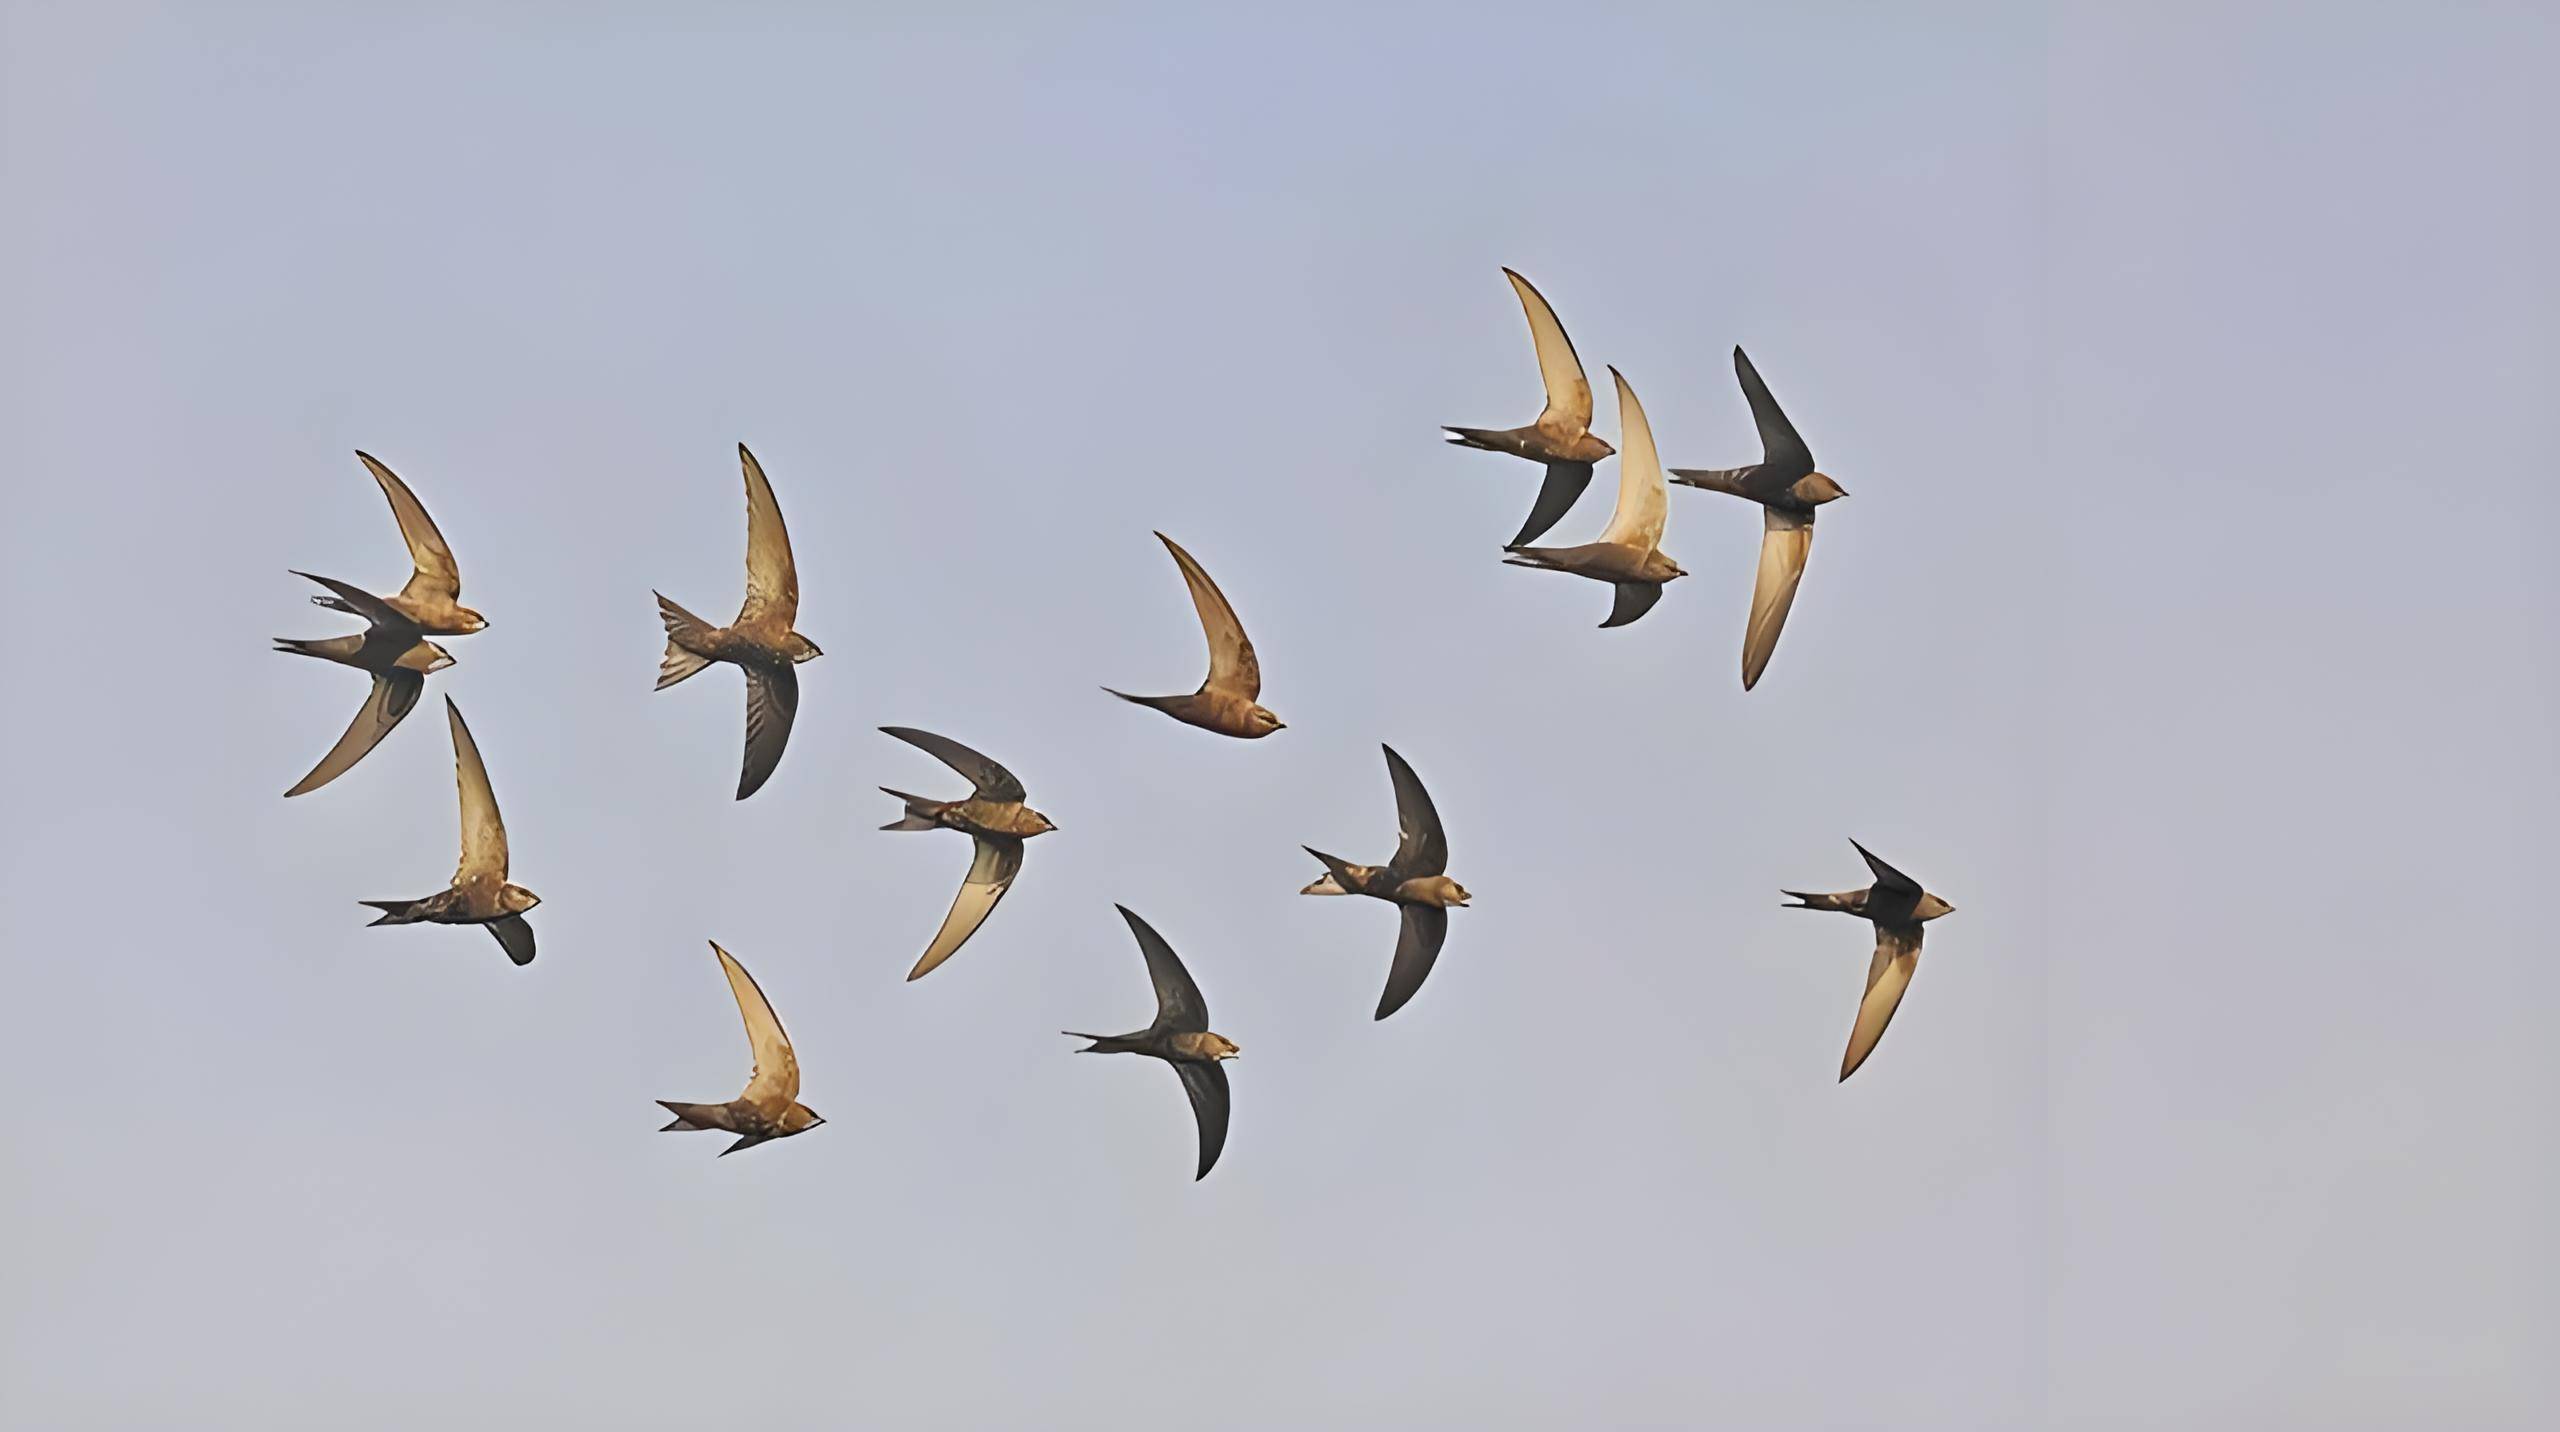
(1179,1007)
(1422,847)
(773,700)
(1425,926)
(1781,451)
(993,781)
(1206,1083)
(1888,878)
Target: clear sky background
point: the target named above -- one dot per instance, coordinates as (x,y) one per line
(2191,625)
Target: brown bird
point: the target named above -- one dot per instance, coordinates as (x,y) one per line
(1629,553)
(770,1108)
(1561,438)
(1414,882)
(1228,701)
(1788,490)
(1897,906)
(994,817)
(760,642)
(1180,1037)
(480,893)
(392,652)
(431,600)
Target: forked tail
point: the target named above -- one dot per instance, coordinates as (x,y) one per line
(919,814)
(1102,1043)
(394,912)
(681,660)
(687,1117)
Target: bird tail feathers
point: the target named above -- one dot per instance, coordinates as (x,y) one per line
(681,660)
(919,814)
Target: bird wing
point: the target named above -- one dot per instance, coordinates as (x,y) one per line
(484,836)
(994,782)
(1786,539)
(775,1083)
(1643,500)
(1206,1083)
(1232,665)
(436,574)
(1633,600)
(1422,847)
(1179,1007)
(395,694)
(1780,448)
(773,581)
(1425,926)
(1888,975)
(773,699)
(1568,392)
(1887,878)
(515,937)
(1556,496)
(376,612)
(990,875)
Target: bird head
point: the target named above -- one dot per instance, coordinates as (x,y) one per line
(515,899)
(1218,1046)
(800,1118)
(1931,907)
(471,621)
(1815,489)
(803,649)
(1261,722)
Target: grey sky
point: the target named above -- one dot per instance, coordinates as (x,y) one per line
(2191,625)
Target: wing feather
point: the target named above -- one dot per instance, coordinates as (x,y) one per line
(1643,500)
(1232,665)
(436,573)
(1179,1007)
(773,580)
(993,781)
(484,836)
(1780,448)
(395,694)
(1206,1083)
(990,876)
(1422,847)
(773,701)
(1559,368)
(1786,539)
(1417,949)
(1888,975)
(775,1082)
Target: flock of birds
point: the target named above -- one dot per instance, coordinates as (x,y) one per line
(396,651)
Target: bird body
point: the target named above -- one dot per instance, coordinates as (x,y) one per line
(1229,699)
(994,816)
(1897,906)
(1415,881)
(1181,1037)
(480,894)
(770,1107)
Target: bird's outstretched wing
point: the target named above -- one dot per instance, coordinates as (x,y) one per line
(1888,975)
(395,694)
(1233,667)
(990,875)
(1786,539)
(1559,368)
(993,781)
(1417,948)
(1179,1007)
(1781,451)
(775,1082)
(1206,1083)
(1643,499)
(773,700)
(436,574)
(1556,496)
(773,581)
(1422,847)
(484,836)
(1887,878)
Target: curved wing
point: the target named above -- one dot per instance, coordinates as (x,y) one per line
(1556,496)
(773,700)
(484,836)
(1417,949)
(1786,539)
(515,937)
(1887,878)
(1568,392)
(1633,600)
(1422,847)
(1179,1007)
(1232,665)
(776,1080)
(773,581)
(994,782)
(1888,975)
(990,875)
(436,574)
(356,601)
(1643,500)
(1780,448)
(1206,1083)
(395,695)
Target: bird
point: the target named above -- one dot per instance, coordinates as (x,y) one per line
(1897,906)
(1229,700)
(391,651)
(770,1108)
(1561,438)
(1414,881)
(480,894)
(760,642)
(1788,490)
(1180,1037)
(994,816)
(1629,553)
(431,601)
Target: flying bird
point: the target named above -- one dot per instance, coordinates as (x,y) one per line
(1561,438)
(770,1108)
(994,816)
(1414,882)
(431,601)
(1788,490)
(480,893)
(1897,907)
(1629,553)
(1228,701)
(1180,1037)
(760,642)
(391,651)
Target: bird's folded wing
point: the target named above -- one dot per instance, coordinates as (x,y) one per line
(1785,541)
(773,700)
(1888,975)
(1417,947)
(1179,1007)
(1559,368)
(395,693)
(1206,1083)
(484,836)
(773,581)
(1233,667)
(1422,847)
(993,781)
(775,1083)
(990,875)
(436,574)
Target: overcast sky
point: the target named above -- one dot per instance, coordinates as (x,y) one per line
(2191,625)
